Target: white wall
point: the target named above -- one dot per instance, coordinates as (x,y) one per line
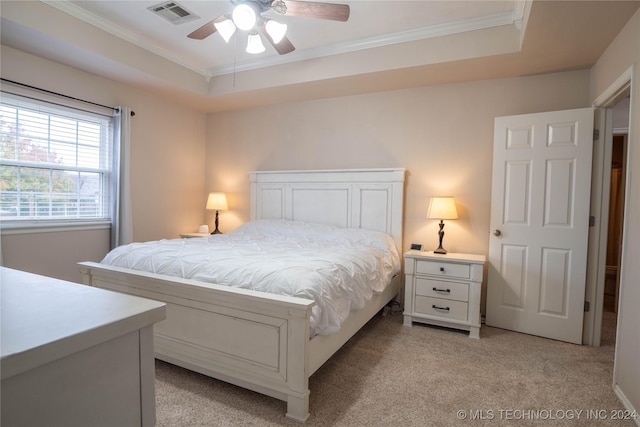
(442,135)
(623,53)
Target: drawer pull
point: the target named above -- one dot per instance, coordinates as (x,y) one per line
(442,290)
(437,307)
(442,269)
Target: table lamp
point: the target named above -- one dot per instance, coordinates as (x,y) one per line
(217,202)
(442,208)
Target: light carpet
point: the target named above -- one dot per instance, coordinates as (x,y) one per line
(392,375)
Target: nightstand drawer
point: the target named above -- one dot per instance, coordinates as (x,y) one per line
(441,307)
(444,269)
(441,289)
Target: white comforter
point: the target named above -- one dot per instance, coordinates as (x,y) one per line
(338,268)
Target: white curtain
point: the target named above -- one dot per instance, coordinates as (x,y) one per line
(122,223)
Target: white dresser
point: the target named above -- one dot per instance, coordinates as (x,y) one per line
(443,290)
(73,355)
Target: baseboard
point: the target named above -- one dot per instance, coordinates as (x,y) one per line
(627,404)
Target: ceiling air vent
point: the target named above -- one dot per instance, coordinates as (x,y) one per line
(173,12)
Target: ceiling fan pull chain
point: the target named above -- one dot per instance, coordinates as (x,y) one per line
(235,57)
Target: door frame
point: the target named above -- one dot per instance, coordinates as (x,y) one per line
(596,255)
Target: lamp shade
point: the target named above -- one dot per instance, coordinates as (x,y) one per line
(254,43)
(226,29)
(275,30)
(442,208)
(217,202)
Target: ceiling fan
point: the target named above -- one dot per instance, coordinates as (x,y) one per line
(247,16)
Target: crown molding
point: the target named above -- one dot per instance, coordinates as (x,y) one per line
(423,33)
(416,34)
(119,31)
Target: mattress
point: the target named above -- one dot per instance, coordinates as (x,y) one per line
(338,268)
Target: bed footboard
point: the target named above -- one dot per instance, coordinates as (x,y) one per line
(252,339)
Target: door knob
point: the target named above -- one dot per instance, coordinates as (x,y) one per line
(497,233)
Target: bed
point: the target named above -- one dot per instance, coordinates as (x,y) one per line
(267,342)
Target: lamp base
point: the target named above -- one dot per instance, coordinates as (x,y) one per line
(216,231)
(440,249)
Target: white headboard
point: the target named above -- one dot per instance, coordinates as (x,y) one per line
(351,198)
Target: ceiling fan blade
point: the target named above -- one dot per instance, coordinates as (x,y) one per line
(207,29)
(283,47)
(311,9)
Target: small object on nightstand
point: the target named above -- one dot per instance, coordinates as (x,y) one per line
(203,229)
(443,290)
(416,247)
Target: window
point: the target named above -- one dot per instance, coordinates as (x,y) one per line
(55,163)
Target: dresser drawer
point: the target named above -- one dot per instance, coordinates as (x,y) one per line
(441,307)
(441,289)
(461,271)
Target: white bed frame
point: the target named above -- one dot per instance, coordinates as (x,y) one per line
(253,339)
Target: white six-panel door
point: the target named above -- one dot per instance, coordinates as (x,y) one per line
(539,223)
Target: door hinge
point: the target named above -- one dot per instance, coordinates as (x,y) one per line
(586,306)
(592,221)
(596,134)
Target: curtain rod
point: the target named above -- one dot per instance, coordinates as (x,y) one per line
(62,95)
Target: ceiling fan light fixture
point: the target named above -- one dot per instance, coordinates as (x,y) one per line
(276,30)
(244,16)
(226,29)
(254,44)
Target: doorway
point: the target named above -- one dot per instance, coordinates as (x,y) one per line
(600,326)
(615,227)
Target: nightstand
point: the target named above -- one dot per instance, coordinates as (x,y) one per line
(188,235)
(443,290)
